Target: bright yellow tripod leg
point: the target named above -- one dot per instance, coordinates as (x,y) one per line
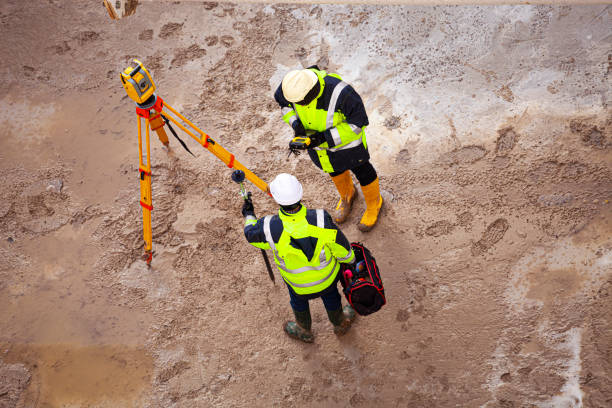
(145,189)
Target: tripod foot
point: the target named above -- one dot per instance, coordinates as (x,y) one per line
(148,257)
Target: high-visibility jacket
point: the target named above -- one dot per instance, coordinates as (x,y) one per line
(338,112)
(308,247)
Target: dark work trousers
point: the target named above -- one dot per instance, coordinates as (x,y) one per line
(330,297)
(365,173)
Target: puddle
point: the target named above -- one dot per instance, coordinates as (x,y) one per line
(64,375)
(81,348)
(571,266)
(550,285)
(49,300)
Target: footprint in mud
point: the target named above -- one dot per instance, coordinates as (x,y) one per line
(61,49)
(316,11)
(506,140)
(211,40)
(209,5)
(227,40)
(465,220)
(440,228)
(546,170)
(253,121)
(403,156)
(402,315)
(392,122)
(28,71)
(184,55)
(170,30)
(87,36)
(37,206)
(492,235)
(154,62)
(146,35)
(590,134)
(173,371)
(464,155)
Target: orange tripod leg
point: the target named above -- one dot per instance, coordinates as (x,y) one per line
(216,149)
(146,202)
(157,124)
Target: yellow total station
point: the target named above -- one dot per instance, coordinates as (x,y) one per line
(139,86)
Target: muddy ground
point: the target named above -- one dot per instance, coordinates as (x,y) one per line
(491,131)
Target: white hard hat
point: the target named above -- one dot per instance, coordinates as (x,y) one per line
(286,189)
(296,84)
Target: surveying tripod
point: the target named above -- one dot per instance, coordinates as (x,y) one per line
(140,87)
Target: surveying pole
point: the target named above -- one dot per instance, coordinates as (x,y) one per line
(139,86)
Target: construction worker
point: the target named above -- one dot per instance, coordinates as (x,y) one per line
(328,111)
(309,251)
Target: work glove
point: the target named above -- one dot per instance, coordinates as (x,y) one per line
(316,139)
(298,129)
(247,207)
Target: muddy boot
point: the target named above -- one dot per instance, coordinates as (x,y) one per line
(374,202)
(346,189)
(300,329)
(342,319)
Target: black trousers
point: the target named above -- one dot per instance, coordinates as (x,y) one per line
(365,173)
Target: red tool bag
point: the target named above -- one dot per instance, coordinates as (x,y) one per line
(363,287)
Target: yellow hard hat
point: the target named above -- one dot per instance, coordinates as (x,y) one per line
(297,84)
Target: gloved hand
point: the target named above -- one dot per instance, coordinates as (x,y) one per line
(298,129)
(316,139)
(247,207)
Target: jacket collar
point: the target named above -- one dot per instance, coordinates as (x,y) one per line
(298,216)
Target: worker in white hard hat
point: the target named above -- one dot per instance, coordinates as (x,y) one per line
(328,111)
(308,250)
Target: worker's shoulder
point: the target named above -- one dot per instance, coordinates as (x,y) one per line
(331,81)
(312,217)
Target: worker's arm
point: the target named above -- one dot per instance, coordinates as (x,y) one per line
(254,232)
(341,247)
(349,103)
(289,115)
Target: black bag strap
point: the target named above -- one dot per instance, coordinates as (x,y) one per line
(176,136)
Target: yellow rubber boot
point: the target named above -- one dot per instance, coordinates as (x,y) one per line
(374,202)
(346,189)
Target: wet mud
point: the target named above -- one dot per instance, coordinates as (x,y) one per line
(494,244)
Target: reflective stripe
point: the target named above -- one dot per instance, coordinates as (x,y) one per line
(292,119)
(250,220)
(323,265)
(354,143)
(321,224)
(320,218)
(285,110)
(332,104)
(346,258)
(335,134)
(279,261)
(307,285)
(268,233)
(356,129)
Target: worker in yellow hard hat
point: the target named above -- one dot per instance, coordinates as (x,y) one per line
(331,114)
